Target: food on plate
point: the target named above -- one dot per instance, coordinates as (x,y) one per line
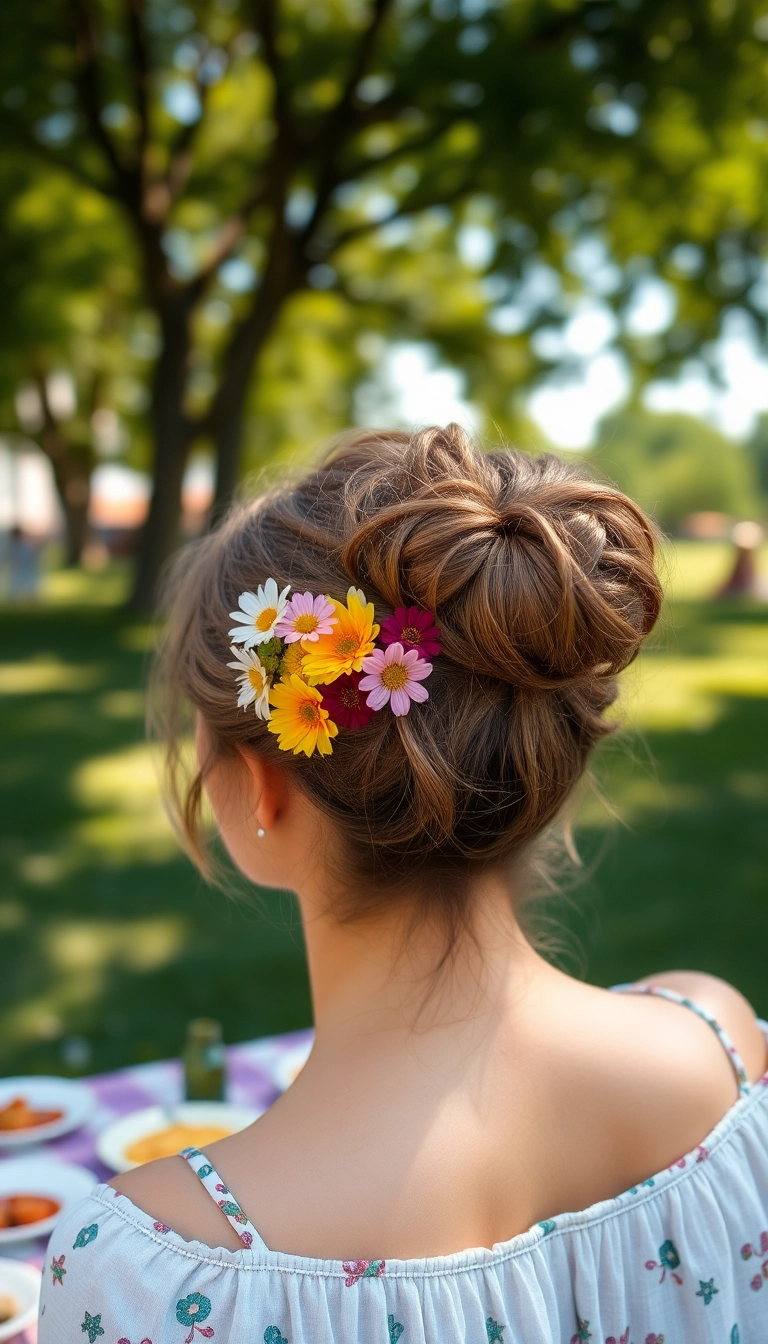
(9,1308)
(18,1114)
(19,1210)
(168,1142)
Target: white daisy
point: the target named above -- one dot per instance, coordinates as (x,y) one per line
(254,682)
(259,614)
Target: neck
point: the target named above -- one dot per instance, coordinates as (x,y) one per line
(384,977)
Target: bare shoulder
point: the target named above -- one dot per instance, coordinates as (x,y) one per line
(171,1193)
(730,1009)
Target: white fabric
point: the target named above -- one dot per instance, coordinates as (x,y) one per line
(681,1259)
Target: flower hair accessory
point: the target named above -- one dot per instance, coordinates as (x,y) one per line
(311,665)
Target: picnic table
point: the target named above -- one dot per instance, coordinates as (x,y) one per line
(254,1078)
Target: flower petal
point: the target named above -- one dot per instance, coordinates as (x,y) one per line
(400,701)
(419,672)
(417,692)
(249,603)
(377,698)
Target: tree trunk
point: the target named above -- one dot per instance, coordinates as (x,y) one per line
(282,279)
(172,436)
(72,465)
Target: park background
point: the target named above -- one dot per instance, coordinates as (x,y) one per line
(232,228)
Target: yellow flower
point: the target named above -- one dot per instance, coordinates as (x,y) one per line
(350,641)
(299,719)
(293,657)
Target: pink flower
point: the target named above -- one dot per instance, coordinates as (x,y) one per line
(394,675)
(306,618)
(412,628)
(345,702)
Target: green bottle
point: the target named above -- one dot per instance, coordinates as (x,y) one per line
(204,1061)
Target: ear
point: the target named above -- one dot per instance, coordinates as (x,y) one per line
(269,787)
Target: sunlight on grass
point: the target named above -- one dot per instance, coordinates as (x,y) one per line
(87,588)
(689,692)
(694,571)
(81,957)
(122,789)
(41,675)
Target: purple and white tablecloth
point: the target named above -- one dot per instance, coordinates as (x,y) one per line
(257,1072)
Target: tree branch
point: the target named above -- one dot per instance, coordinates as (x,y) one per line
(404,212)
(343,123)
(230,234)
(87,81)
(18,128)
(140,72)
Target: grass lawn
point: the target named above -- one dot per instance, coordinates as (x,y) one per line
(109,941)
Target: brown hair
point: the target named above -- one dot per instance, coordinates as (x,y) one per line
(543,585)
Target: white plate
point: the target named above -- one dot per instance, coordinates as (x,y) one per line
(286,1067)
(22,1282)
(116,1138)
(62,1181)
(45,1094)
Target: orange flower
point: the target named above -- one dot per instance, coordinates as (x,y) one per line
(344,649)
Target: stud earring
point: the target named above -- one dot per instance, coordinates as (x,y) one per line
(261,832)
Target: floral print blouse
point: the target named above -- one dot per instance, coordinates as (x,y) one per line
(680,1259)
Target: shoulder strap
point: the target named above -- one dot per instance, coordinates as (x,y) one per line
(222,1195)
(661,992)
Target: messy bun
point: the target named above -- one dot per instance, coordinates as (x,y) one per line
(543,585)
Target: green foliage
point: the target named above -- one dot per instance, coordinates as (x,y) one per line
(674,465)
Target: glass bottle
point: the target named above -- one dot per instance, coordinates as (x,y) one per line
(204,1061)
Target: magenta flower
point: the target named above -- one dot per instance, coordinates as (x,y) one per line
(394,676)
(306,618)
(345,702)
(412,628)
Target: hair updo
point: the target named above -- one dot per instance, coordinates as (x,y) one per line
(542,582)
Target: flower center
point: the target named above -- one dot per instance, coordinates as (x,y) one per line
(193,1308)
(350,698)
(346,646)
(306,624)
(256,678)
(394,676)
(309,713)
(410,634)
(266,618)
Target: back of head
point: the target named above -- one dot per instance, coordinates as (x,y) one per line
(542,584)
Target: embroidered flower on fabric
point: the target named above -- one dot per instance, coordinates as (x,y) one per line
(204,1171)
(395,1329)
(659,1339)
(272,1335)
(412,628)
(191,1310)
(161,1227)
(547,1225)
(362,1269)
(246,1239)
(58,1271)
(707,1290)
(232,1210)
(748,1250)
(582,1331)
(85,1235)
(623,1339)
(494,1331)
(668,1260)
(127,1341)
(91,1327)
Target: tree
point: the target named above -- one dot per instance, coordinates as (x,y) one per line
(272,146)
